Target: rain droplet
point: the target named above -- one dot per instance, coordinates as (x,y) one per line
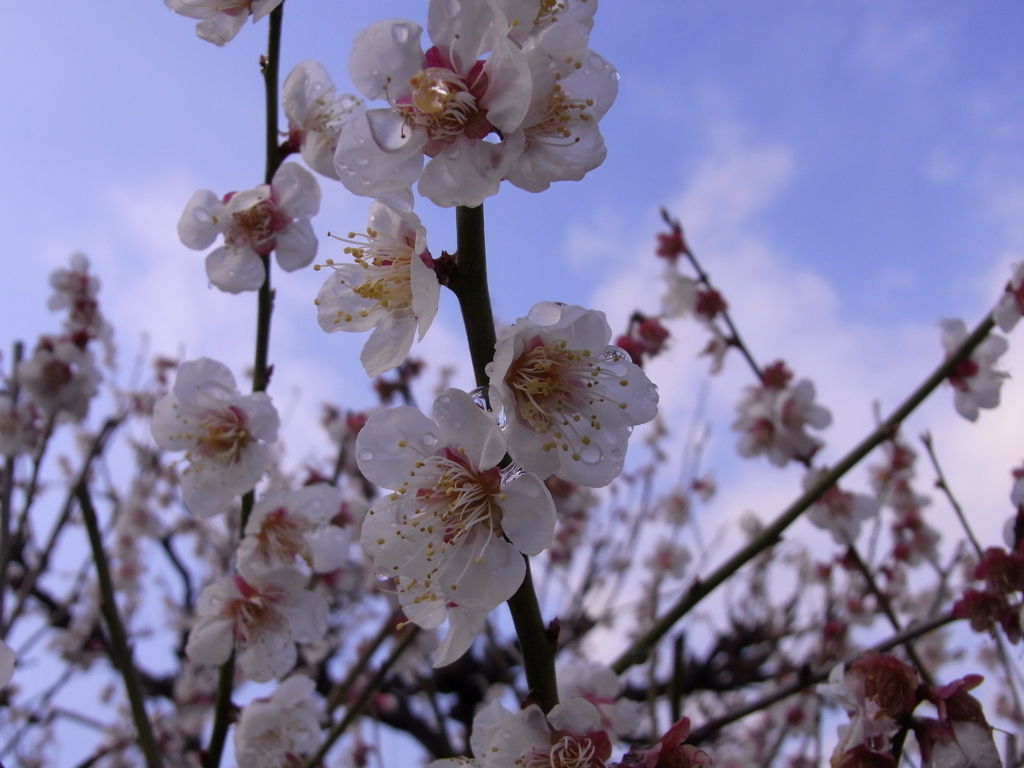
(545,313)
(444,399)
(400,34)
(590,454)
(428,439)
(365,455)
(652,390)
(382,576)
(452,7)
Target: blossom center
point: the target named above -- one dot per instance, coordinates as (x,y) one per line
(568,752)
(462,497)
(255,611)
(280,537)
(256,226)
(224,435)
(442,103)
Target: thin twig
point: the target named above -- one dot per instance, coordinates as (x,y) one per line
(942,485)
(355,709)
(638,651)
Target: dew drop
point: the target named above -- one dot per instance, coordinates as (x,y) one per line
(444,399)
(400,34)
(452,7)
(365,455)
(428,439)
(652,390)
(382,576)
(506,734)
(590,454)
(361,161)
(545,313)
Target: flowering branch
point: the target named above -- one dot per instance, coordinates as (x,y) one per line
(6,490)
(355,709)
(470,287)
(638,652)
(941,484)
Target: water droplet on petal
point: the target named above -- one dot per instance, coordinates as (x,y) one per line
(400,34)
(428,439)
(652,390)
(444,399)
(590,454)
(382,576)
(365,455)
(452,7)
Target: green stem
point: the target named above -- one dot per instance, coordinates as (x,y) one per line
(469,284)
(637,653)
(121,654)
(269,66)
(7,491)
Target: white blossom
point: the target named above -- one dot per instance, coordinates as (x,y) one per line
(442,105)
(225,434)
(221,20)
(1010,306)
(288,526)
(279,730)
(570,399)
(391,288)
(270,218)
(316,114)
(453,532)
(61,377)
(774,415)
(839,512)
(976,380)
(261,618)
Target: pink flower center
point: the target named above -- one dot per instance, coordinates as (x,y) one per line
(223,435)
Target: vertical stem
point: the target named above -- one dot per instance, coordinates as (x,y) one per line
(121,653)
(7,491)
(469,284)
(269,66)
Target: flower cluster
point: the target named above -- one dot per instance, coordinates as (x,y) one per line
(452,533)
(221,20)
(774,416)
(976,381)
(497,95)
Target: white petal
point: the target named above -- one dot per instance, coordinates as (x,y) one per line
(296,245)
(201,221)
(378,453)
(297,191)
(463,625)
(389,344)
(378,153)
(528,514)
(426,294)
(466,424)
(384,57)
(235,269)
(211,641)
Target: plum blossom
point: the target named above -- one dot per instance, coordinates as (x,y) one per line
(1010,306)
(839,512)
(571,735)
(221,20)
(272,217)
(225,434)
(570,399)
(316,114)
(279,730)
(76,290)
(976,380)
(774,416)
(453,533)
(286,526)
(391,287)
(261,618)
(561,137)
(60,377)
(669,752)
(598,684)
(442,105)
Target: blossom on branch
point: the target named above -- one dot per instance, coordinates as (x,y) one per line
(288,526)
(221,20)
(225,434)
(272,217)
(570,399)
(442,105)
(391,287)
(453,532)
(976,380)
(839,512)
(316,113)
(279,730)
(571,735)
(261,618)
(774,416)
